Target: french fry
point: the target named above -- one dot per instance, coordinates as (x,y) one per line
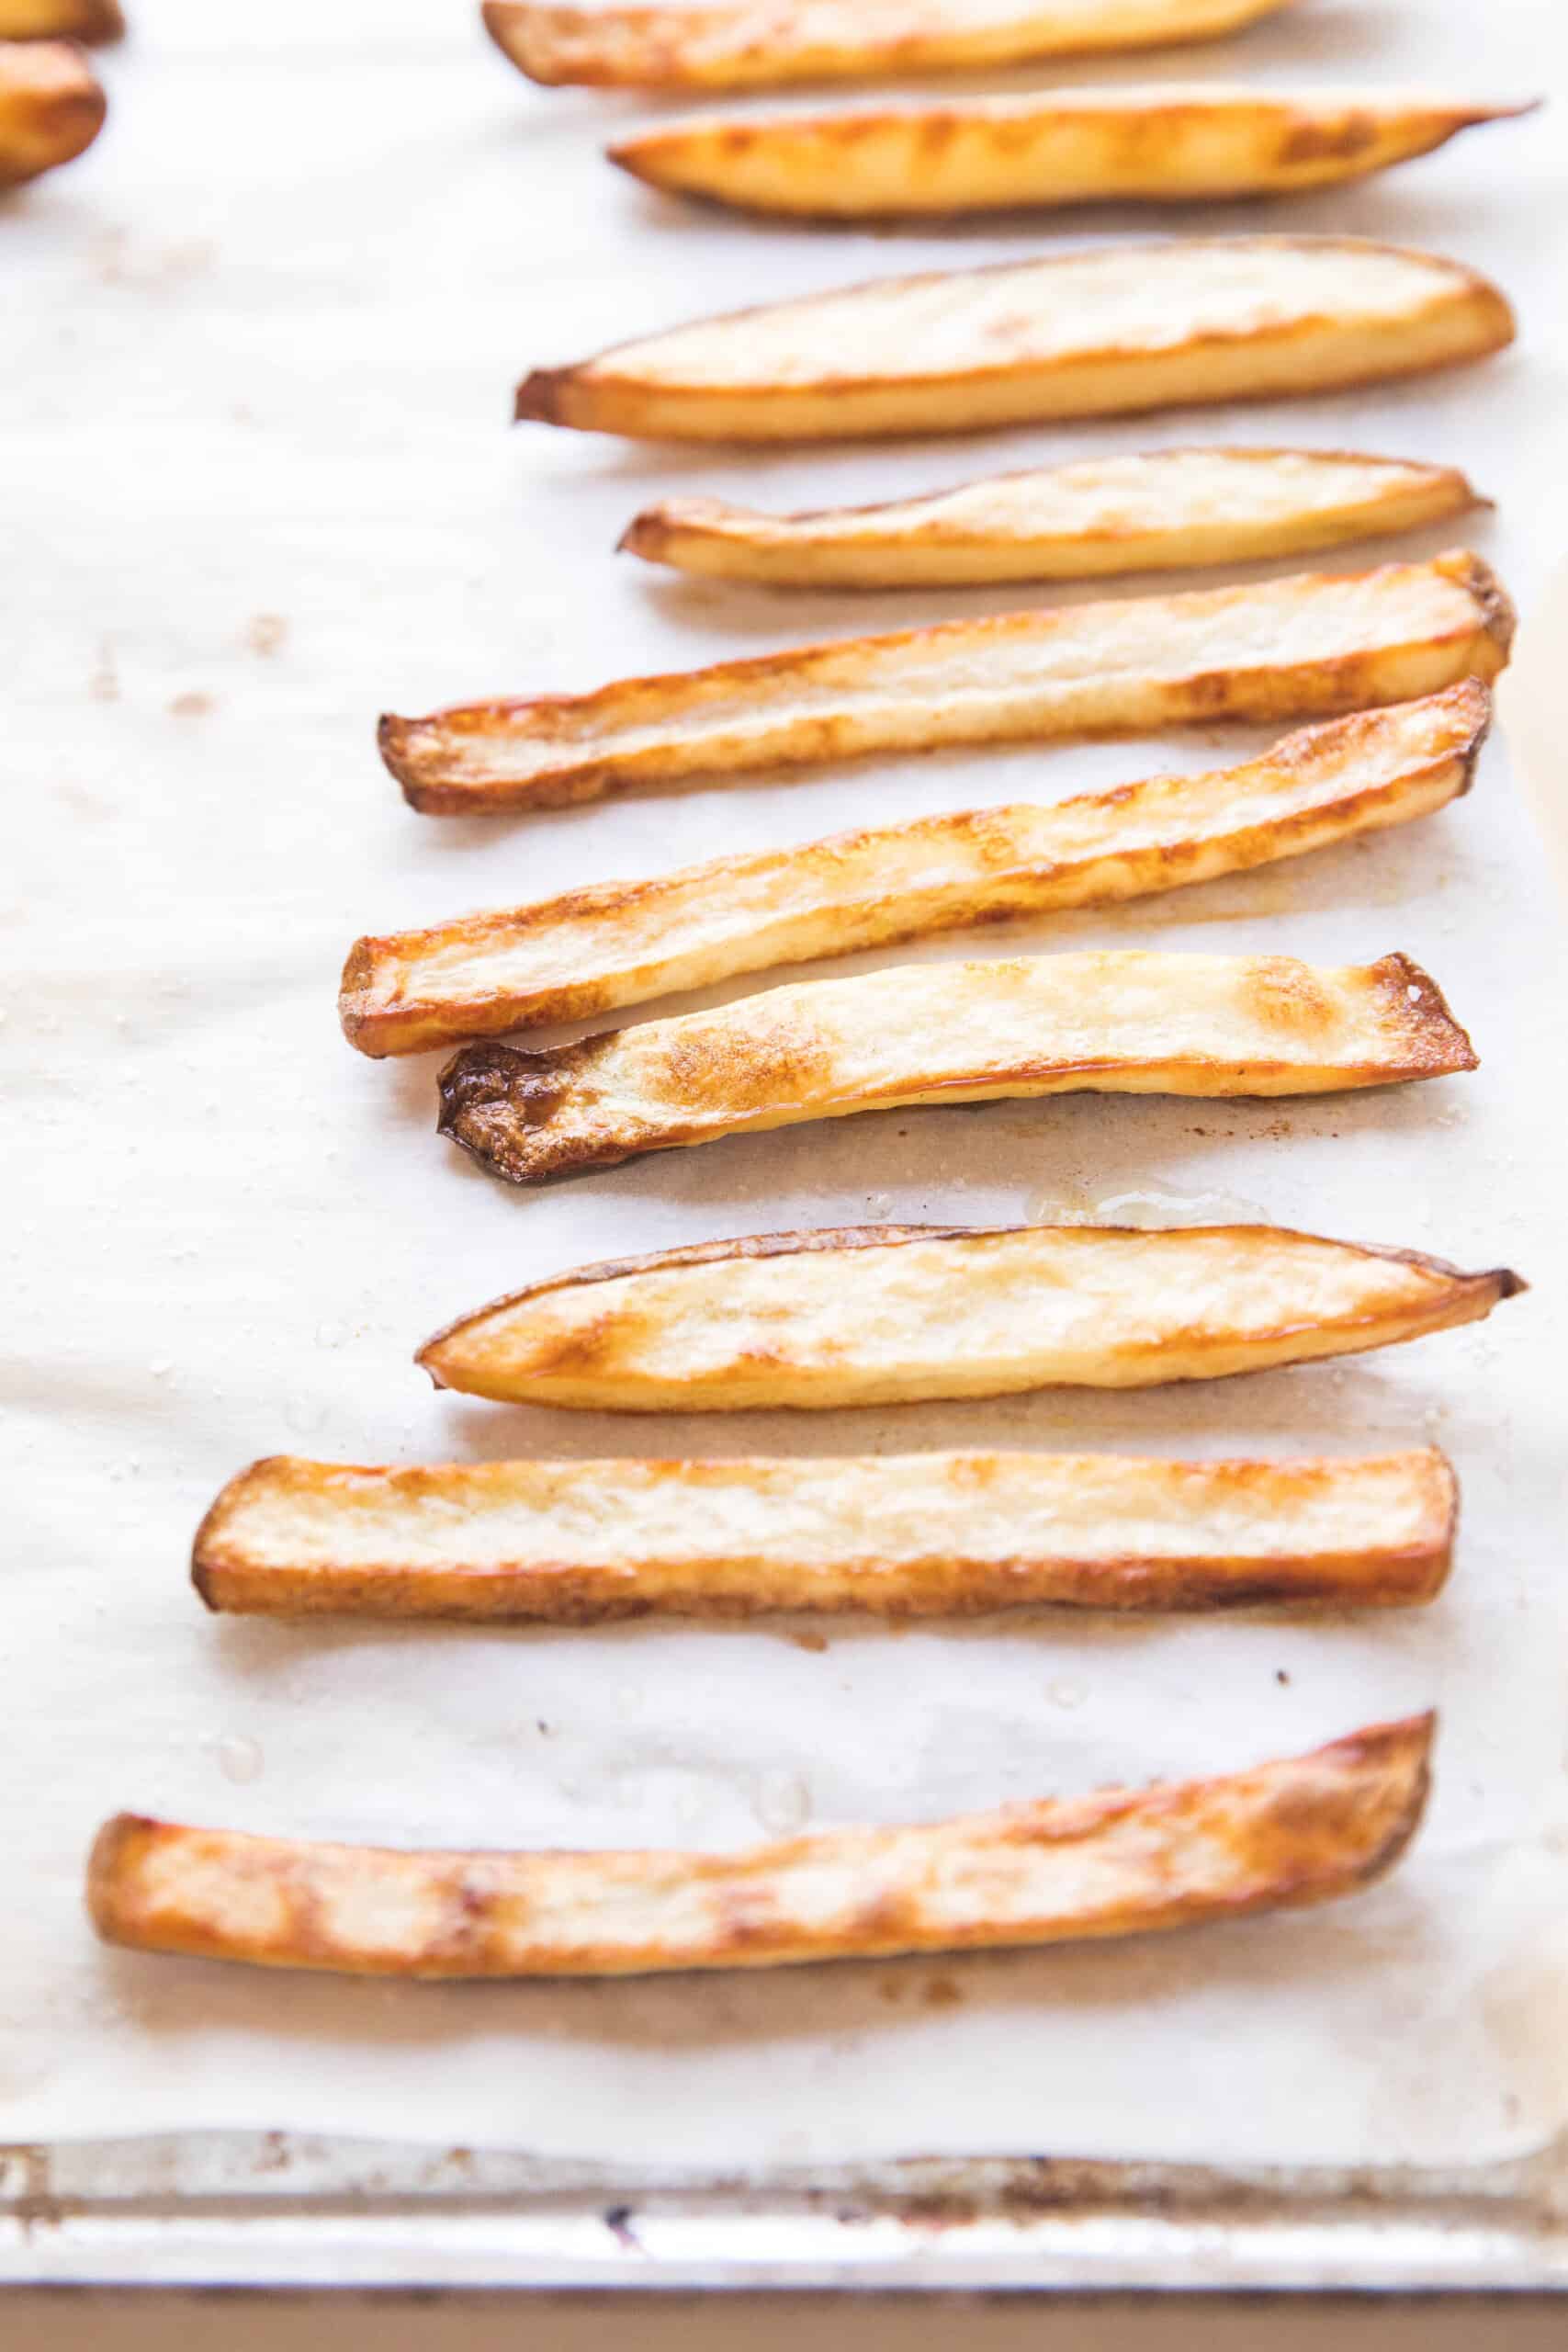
(924,1535)
(615,943)
(72,20)
(894,1314)
(1162,144)
(1161,510)
(1118,1863)
(1113,330)
(761,42)
(52,106)
(1119,1022)
(1304,647)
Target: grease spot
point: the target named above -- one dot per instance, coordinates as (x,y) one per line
(265,633)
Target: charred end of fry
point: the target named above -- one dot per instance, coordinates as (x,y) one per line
(540,397)
(1499,618)
(1440,1047)
(393,740)
(492,1097)
(647,535)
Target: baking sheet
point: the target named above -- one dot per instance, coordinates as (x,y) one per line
(258,488)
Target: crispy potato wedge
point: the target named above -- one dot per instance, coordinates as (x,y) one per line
(74,20)
(1162,144)
(924,1535)
(1109,332)
(51,107)
(1161,510)
(615,943)
(761,42)
(1304,647)
(895,1315)
(1119,1022)
(1117,1863)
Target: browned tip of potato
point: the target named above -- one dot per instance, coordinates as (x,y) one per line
(112,1868)
(51,107)
(1396,1758)
(647,535)
(1498,616)
(1440,1042)
(538,396)
(205,1542)
(398,741)
(353,1005)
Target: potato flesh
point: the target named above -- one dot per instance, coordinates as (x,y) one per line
(755,45)
(1109,331)
(1309,645)
(614,943)
(1163,143)
(897,1315)
(51,107)
(928,1534)
(1297,1831)
(1158,510)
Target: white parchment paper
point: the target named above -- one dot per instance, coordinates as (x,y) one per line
(258,486)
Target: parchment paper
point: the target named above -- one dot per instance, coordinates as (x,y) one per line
(258,486)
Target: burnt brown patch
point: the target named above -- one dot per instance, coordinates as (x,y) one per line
(1320,139)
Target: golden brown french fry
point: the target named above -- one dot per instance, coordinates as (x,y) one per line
(1303,647)
(1158,511)
(923,1535)
(893,1315)
(52,106)
(1117,1022)
(1118,1863)
(1109,332)
(615,943)
(762,42)
(74,20)
(1165,143)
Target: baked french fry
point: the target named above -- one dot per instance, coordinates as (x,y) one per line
(1161,510)
(1163,144)
(758,43)
(1109,332)
(1119,1022)
(1303,647)
(52,106)
(72,20)
(615,943)
(1118,1863)
(895,1315)
(921,1536)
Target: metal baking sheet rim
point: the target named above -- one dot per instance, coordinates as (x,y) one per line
(276,2210)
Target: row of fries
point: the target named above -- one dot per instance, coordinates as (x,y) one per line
(1395,665)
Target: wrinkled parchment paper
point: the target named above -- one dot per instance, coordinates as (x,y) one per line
(258,486)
